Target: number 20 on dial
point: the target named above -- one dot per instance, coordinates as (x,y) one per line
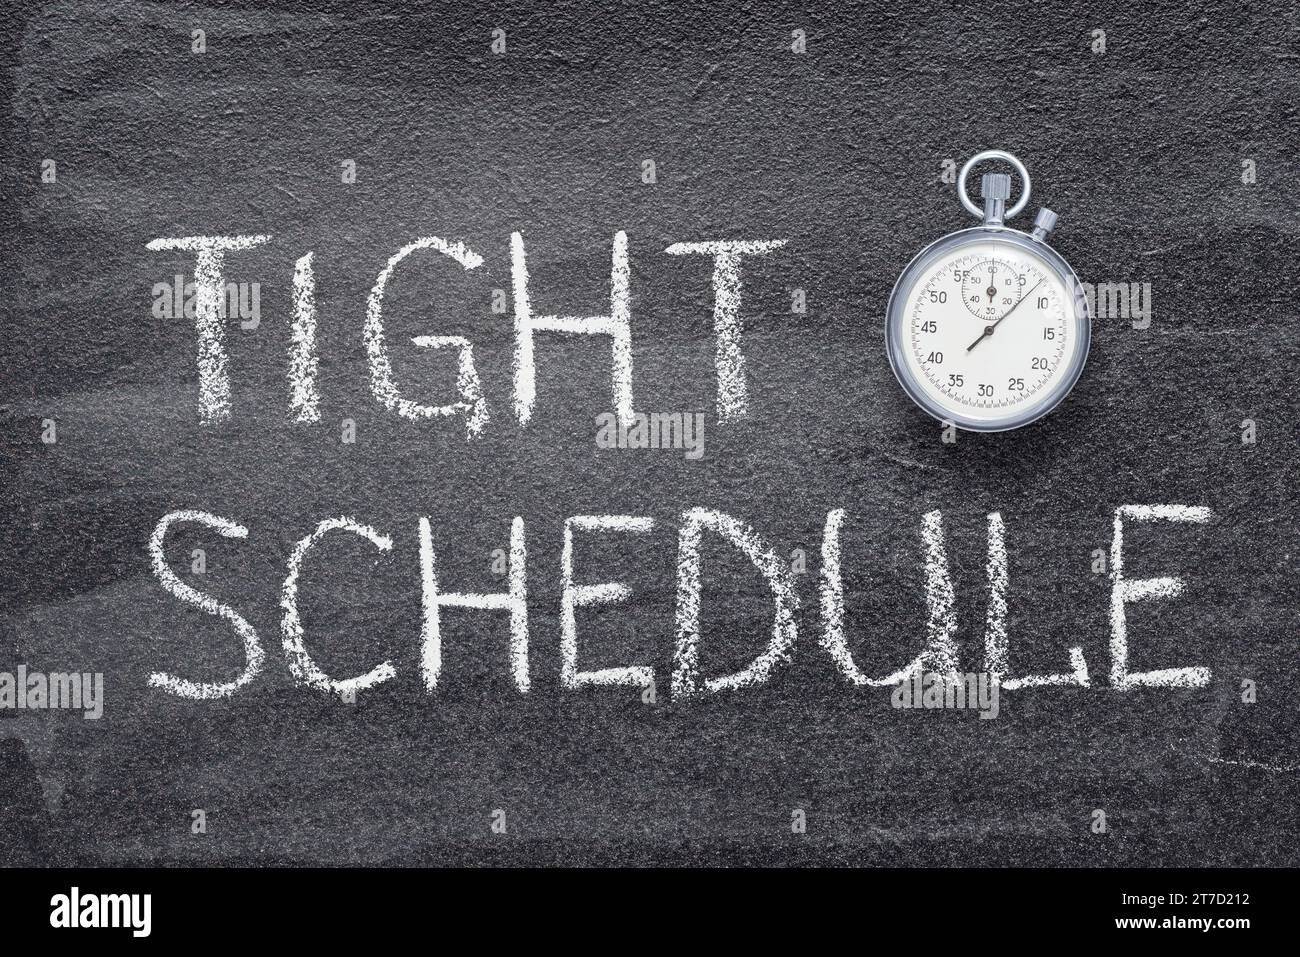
(988,327)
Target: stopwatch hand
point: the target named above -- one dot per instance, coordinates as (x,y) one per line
(988,330)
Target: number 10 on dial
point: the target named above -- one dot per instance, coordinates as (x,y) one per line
(988,327)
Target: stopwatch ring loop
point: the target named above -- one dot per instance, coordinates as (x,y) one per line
(1006,157)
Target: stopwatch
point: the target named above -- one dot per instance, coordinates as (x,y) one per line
(988,327)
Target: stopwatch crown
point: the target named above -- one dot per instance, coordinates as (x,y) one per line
(996,186)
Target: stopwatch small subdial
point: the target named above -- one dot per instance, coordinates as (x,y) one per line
(990,288)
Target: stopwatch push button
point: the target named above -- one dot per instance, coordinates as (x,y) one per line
(1044,223)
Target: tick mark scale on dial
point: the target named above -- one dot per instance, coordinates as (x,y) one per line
(1008,377)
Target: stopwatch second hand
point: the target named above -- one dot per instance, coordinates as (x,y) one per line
(988,330)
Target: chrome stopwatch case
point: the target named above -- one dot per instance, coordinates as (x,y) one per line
(988,327)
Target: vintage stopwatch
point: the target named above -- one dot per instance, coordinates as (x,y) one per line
(988,327)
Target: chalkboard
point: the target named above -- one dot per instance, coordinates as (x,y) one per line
(338,136)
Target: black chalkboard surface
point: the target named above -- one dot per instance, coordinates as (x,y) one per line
(338,137)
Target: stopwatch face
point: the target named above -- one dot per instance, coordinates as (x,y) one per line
(988,329)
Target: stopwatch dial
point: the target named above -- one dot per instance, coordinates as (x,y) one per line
(989,288)
(988,331)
